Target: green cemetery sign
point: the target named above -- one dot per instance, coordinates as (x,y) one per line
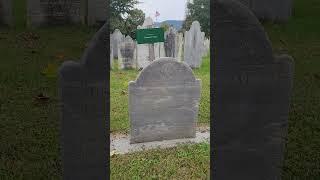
(149,36)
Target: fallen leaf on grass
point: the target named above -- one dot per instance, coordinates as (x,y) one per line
(42,97)
(60,56)
(50,70)
(123,92)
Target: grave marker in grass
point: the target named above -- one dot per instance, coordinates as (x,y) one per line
(251,93)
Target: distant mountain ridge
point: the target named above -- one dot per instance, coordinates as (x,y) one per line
(175,23)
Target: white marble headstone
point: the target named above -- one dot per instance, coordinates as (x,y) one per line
(193,45)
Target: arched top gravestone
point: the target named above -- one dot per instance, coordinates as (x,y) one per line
(165,72)
(251,92)
(164,102)
(84,97)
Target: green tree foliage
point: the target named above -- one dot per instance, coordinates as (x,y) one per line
(124,16)
(198,11)
(165,26)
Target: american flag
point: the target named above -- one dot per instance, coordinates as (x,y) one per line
(157,14)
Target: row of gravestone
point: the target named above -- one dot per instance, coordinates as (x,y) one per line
(131,55)
(58,12)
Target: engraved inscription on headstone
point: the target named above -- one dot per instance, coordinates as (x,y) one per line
(164,102)
(251,96)
(83,96)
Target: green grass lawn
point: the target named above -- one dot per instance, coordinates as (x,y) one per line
(30,130)
(183,162)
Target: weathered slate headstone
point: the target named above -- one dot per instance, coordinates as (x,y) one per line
(117,38)
(272,10)
(251,92)
(180,47)
(97,11)
(84,97)
(164,102)
(5,12)
(193,46)
(170,43)
(126,54)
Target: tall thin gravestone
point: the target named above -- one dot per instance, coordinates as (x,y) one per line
(180,47)
(251,92)
(5,12)
(164,102)
(116,38)
(193,45)
(170,43)
(126,54)
(84,97)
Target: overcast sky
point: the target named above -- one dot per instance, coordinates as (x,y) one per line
(168,9)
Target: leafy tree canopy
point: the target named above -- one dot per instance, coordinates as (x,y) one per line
(124,16)
(199,10)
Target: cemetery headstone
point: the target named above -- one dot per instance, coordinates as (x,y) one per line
(272,10)
(193,46)
(84,97)
(164,102)
(111,54)
(251,96)
(170,44)
(207,45)
(180,46)
(127,54)
(5,12)
(54,12)
(117,38)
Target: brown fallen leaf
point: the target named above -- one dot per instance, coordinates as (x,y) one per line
(123,92)
(42,97)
